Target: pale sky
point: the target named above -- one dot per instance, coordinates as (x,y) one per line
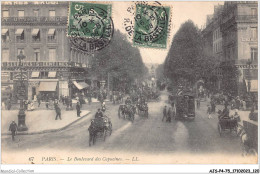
(180,11)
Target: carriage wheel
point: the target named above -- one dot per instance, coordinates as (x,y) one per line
(219,129)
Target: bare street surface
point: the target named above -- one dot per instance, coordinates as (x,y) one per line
(144,135)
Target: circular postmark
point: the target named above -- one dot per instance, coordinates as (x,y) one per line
(90,26)
(149,26)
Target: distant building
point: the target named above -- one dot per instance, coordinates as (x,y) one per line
(38,30)
(231,37)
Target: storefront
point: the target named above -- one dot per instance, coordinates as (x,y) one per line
(48,90)
(79,88)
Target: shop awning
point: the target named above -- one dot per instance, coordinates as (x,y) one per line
(52,74)
(80,85)
(19,31)
(4,31)
(35,31)
(51,31)
(35,74)
(47,86)
(253,86)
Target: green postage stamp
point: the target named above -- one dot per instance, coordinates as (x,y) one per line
(151,26)
(90,20)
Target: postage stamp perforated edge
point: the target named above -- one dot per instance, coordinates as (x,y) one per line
(109,11)
(167,36)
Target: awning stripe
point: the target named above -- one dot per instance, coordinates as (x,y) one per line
(35,74)
(4,31)
(19,31)
(51,31)
(35,31)
(52,74)
(47,86)
(80,85)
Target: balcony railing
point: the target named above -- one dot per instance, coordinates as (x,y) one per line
(247,17)
(238,18)
(42,19)
(35,64)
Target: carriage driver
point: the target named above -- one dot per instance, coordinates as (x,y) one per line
(128,101)
(98,114)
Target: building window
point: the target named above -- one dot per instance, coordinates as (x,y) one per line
(37,54)
(52,55)
(254,54)
(20,35)
(52,13)
(253,33)
(5,35)
(51,35)
(36,35)
(5,13)
(5,55)
(254,12)
(20,13)
(36,12)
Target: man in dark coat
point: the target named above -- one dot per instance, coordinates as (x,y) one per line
(98,114)
(169,115)
(164,113)
(13,128)
(58,112)
(78,109)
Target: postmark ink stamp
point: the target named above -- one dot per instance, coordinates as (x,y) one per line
(151,26)
(90,25)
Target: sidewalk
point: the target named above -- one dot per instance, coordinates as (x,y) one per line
(41,121)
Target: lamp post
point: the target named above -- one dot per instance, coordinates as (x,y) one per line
(249,62)
(21,91)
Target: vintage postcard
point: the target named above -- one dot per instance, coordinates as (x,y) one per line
(143,82)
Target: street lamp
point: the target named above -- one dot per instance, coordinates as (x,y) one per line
(249,62)
(21,91)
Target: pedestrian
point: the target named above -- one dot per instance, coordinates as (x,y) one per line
(39,100)
(213,106)
(13,128)
(58,112)
(244,104)
(169,115)
(9,104)
(56,102)
(164,113)
(25,105)
(70,103)
(198,103)
(78,109)
(209,110)
(47,104)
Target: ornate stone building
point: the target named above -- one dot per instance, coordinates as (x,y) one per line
(38,30)
(231,37)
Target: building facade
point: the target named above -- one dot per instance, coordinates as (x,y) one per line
(38,30)
(234,43)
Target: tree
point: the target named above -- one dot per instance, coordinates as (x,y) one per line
(121,59)
(186,61)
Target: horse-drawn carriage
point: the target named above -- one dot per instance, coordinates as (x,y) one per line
(185,105)
(100,127)
(142,109)
(227,124)
(249,137)
(127,112)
